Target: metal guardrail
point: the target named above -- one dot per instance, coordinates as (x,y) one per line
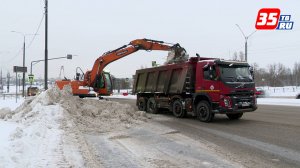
(7,95)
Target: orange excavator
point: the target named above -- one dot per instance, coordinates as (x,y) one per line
(101,81)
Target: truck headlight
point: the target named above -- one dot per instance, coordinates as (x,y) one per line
(227,102)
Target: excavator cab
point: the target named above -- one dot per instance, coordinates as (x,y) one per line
(103,84)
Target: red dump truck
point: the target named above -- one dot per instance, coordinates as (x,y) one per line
(200,86)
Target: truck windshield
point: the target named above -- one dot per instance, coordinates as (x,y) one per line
(235,73)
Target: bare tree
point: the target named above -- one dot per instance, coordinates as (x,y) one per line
(277,74)
(235,56)
(241,56)
(296,73)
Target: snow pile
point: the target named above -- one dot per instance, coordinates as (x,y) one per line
(50,126)
(102,116)
(4,112)
(42,137)
(92,115)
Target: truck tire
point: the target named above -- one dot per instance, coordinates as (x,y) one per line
(235,116)
(203,112)
(152,106)
(142,104)
(177,109)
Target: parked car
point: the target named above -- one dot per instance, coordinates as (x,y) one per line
(298,96)
(260,92)
(32,91)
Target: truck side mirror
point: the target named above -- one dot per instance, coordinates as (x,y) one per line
(212,73)
(251,69)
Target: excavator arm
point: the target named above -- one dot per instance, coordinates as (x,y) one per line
(133,46)
(92,77)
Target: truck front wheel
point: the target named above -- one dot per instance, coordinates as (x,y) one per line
(152,106)
(142,104)
(177,109)
(203,111)
(234,116)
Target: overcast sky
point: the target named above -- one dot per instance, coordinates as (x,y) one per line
(88,28)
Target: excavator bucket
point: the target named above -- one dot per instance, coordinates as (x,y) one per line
(177,54)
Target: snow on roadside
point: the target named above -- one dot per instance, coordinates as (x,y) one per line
(47,129)
(10,102)
(121,96)
(38,140)
(279,101)
(286,91)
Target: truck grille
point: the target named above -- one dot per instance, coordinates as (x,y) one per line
(242,102)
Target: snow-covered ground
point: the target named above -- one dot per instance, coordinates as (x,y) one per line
(56,129)
(10,102)
(120,96)
(47,130)
(279,101)
(287,91)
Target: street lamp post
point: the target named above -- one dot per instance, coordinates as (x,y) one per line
(24,45)
(69,56)
(19,76)
(246,41)
(46,45)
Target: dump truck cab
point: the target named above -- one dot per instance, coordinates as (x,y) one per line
(228,85)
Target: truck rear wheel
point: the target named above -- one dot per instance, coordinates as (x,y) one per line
(203,111)
(235,116)
(152,106)
(142,104)
(177,109)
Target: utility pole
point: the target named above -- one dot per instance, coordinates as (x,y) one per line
(8,80)
(246,41)
(1,82)
(23,81)
(46,44)
(24,47)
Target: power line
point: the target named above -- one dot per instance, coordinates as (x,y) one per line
(9,61)
(33,38)
(278,47)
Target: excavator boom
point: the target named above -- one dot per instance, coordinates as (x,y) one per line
(94,76)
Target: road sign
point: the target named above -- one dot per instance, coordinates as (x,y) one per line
(31,78)
(20,69)
(69,56)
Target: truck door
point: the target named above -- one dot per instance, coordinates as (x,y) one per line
(211,84)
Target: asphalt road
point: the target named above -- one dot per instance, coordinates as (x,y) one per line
(268,137)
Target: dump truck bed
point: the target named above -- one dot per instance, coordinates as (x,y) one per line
(167,79)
